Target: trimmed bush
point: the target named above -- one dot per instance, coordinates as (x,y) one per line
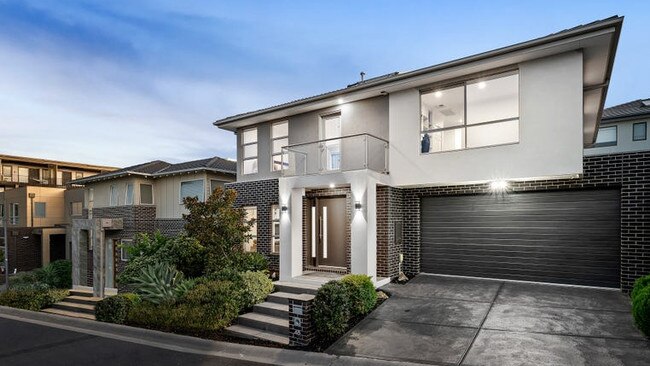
(251,261)
(31,299)
(641,310)
(640,284)
(22,279)
(255,287)
(361,291)
(115,309)
(57,274)
(331,310)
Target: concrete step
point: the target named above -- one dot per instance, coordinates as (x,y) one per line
(296,288)
(71,314)
(83,293)
(75,307)
(243,331)
(279,325)
(272,309)
(281,297)
(83,299)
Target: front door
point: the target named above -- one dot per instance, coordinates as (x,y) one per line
(328,231)
(110,264)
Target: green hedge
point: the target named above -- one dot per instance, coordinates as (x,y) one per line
(331,310)
(255,287)
(33,299)
(641,310)
(57,274)
(640,284)
(115,309)
(361,291)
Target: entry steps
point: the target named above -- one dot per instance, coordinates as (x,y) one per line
(80,304)
(269,321)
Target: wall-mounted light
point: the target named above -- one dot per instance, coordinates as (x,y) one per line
(332,185)
(285,209)
(481,85)
(357,206)
(499,186)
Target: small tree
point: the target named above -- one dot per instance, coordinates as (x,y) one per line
(219,226)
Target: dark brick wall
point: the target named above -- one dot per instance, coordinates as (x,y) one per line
(261,194)
(389,217)
(24,249)
(628,171)
(169,227)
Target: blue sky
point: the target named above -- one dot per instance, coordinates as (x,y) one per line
(122,82)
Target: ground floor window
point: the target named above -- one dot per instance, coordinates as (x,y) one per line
(275,228)
(124,251)
(251,244)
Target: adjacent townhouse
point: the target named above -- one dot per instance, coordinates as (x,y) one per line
(623,129)
(32,194)
(473,167)
(142,198)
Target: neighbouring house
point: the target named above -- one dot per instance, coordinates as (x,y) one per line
(623,129)
(32,196)
(473,167)
(139,199)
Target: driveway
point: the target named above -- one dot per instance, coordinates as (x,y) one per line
(453,321)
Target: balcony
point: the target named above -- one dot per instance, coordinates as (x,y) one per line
(341,154)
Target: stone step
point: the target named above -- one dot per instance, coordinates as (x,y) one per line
(71,314)
(83,299)
(243,331)
(281,297)
(272,309)
(75,307)
(83,293)
(265,322)
(296,288)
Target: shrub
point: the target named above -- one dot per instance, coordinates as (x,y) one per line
(57,274)
(115,309)
(255,287)
(161,283)
(22,278)
(31,299)
(361,291)
(331,310)
(641,310)
(640,284)
(251,261)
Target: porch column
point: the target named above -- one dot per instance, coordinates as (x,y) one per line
(74,256)
(290,231)
(364,227)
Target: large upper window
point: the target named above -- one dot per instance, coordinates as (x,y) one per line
(279,139)
(6,173)
(639,131)
(128,199)
(251,244)
(113,195)
(39,210)
(476,113)
(606,136)
(146,194)
(23,175)
(193,188)
(249,151)
(76,208)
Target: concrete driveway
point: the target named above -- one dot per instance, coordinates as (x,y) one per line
(454,321)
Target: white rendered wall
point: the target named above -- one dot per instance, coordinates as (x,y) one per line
(550,128)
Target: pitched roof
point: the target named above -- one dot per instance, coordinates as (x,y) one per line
(159,168)
(639,107)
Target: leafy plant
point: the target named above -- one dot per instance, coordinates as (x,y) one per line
(161,283)
(640,284)
(31,299)
(641,310)
(250,261)
(361,290)
(57,274)
(256,286)
(22,279)
(331,310)
(115,309)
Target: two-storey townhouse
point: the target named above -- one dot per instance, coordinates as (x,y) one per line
(473,167)
(142,198)
(623,129)
(32,197)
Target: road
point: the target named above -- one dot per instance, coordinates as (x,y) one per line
(26,344)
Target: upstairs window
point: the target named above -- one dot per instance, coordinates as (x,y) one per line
(112,195)
(607,136)
(146,194)
(639,131)
(249,151)
(39,210)
(76,208)
(23,175)
(6,173)
(193,188)
(128,199)
(279,139)
(13,214)
(476,113)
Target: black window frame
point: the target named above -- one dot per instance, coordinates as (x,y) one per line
(645,131)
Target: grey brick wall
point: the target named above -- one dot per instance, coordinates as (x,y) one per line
(389,216)
(261,194)
(24,249)
(169,227)
(630,172)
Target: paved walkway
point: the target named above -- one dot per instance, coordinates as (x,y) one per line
(454,321)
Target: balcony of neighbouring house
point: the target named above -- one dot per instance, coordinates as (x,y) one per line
(341,154)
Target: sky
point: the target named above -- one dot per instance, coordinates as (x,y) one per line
(123,82)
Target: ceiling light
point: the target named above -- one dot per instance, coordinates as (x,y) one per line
(437,94)
(339,101)
(481,85)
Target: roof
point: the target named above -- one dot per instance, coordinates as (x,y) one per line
(636,108)
(67,164)
(396,76)
(159,168)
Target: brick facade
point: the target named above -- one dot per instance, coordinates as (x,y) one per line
(24,249)
(630,172)
(261,194)
(389,219)
(169,227)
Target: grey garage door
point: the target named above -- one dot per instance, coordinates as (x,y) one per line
(570,237)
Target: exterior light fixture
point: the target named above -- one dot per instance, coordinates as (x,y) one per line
(499,186)
(285,208)
(438,94)
(481,85)
(357,206)
(339,101)
(332,185)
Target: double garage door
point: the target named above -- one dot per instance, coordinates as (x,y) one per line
(570,237)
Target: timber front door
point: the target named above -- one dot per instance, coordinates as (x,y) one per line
(326,219)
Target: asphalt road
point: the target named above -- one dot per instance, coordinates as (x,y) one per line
(30,344)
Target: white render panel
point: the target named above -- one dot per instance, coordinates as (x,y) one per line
(550,132)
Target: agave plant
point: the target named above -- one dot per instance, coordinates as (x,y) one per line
(161,283)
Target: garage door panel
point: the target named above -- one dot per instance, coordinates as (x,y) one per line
(564,237)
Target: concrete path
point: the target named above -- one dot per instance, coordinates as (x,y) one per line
(454,321)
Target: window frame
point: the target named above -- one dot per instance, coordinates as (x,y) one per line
(72,211)
(243,148)
(153,196)
(126,194)
(280,154)
(220,183)
(254,236)
(14,213)
(275,235)
(464,82)
(19,175)
(123,251)
(113,192)
(11,172)
(180,189)
(36,214)
(645,131)
(606,144)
